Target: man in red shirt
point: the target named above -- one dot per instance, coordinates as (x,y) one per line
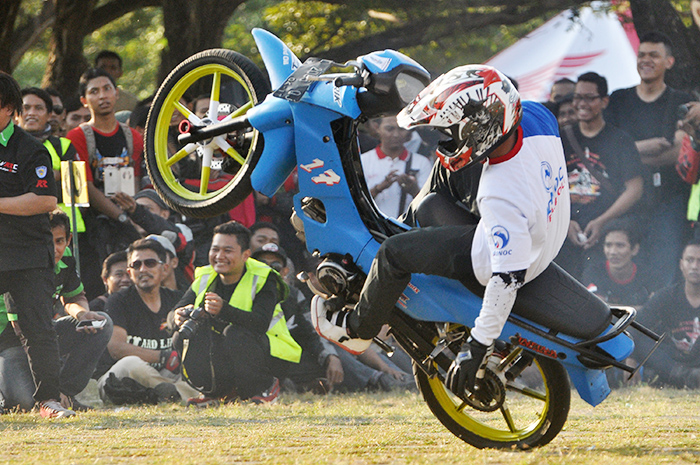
(113,154)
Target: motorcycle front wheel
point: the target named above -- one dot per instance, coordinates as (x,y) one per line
(210,177)
(534,411)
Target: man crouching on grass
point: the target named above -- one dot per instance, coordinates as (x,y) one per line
(231,323)
(82,335)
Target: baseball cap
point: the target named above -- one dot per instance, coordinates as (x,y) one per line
(152,195)
(272,248)
(167,245)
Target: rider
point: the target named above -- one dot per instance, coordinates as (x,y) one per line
(522,198)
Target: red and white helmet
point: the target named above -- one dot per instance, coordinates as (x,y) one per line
(476,105)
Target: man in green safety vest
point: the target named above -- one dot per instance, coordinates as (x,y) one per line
(230,323)
(37,110)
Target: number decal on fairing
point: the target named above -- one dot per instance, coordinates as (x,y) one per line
(313,165)
(328,178)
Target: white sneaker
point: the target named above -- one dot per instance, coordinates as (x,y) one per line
(331,325)
(53,409)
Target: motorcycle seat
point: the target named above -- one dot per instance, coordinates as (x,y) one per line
(555,299)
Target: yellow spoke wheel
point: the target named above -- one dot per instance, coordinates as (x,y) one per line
(210,177)
(535,408)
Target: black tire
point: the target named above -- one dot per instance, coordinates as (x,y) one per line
(242,85)
(482,430)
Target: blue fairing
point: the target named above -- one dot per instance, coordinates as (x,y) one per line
(386,60)
(279,60)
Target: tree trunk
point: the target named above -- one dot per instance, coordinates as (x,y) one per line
(75,19)
(8,16)
(192,26)
(659,15)
(66,61)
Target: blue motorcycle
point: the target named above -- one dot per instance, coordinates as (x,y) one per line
(248,138)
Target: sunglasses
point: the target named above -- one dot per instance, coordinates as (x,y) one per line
(149,262)
(58,110)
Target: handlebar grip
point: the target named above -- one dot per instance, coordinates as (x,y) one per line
(355,80)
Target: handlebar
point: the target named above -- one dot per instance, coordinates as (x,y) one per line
(355,80)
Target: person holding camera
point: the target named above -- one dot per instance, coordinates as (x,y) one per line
(231,324)
(394,175)
(141,343)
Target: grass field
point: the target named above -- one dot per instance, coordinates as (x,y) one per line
(633,426)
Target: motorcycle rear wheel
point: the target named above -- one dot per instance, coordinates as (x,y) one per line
(529,417)
(183,176)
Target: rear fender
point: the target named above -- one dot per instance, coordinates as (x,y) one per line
(592,385)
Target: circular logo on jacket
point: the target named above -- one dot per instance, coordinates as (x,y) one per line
(501,236)
(546,171)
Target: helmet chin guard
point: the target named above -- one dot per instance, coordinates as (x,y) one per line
(476,105)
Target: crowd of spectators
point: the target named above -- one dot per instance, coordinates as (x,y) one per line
(632,164)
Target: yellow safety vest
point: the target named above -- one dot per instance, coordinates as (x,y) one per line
(694,202)
(56,165)
(282,344)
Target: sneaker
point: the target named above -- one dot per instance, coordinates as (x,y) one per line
(167,392)
(331,324)
(270,396)
(70,402)
(53,409)
(202,402)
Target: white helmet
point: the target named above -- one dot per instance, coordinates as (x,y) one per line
(476,105)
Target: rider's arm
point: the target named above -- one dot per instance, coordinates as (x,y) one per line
(499,297)
(505,229)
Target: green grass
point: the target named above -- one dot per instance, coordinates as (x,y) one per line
(633,426)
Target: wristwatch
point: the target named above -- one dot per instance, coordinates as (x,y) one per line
(123,218)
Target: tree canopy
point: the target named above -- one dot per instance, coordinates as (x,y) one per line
(52,41)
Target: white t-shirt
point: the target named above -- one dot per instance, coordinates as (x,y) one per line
(376,166)
(524,203)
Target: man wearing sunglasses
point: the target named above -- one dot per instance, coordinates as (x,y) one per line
(141,344)
(57,119)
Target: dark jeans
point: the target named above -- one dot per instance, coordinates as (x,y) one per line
(30,294)
(79,355)
(80,352)
(218,364)
(442,251)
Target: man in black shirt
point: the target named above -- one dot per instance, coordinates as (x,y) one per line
(80,346)
(675,310)
(648,112)
(604,171)
(141,344)
(27,194)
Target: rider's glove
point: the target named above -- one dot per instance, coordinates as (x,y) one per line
(468,366)
(170,360)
